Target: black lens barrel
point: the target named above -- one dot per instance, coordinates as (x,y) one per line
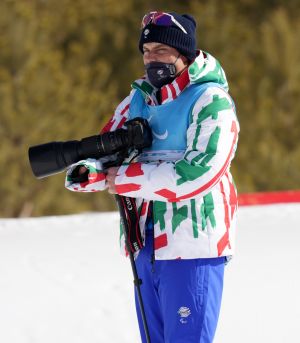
(54,157)
(51,158)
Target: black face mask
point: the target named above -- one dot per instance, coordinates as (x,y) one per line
(160,74)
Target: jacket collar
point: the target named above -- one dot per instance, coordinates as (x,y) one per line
(168,92)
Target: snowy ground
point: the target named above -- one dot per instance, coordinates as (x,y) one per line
(62,280)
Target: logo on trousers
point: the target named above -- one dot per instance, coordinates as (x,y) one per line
(184,312)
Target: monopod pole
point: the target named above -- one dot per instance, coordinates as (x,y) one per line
(136,280)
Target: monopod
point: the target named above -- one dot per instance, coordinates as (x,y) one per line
(136,280)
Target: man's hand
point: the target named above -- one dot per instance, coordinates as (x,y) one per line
(82,170)
(79,174)
(110,179)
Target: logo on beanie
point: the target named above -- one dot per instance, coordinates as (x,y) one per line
(146,32)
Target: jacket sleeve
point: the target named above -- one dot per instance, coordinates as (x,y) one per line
(211,143)
(96,177)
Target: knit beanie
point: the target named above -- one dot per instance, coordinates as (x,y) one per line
(173,35)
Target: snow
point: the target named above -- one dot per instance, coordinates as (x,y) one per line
(63,280)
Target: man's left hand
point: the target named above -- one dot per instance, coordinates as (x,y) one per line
(110,179)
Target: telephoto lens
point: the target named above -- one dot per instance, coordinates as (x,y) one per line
(54,157)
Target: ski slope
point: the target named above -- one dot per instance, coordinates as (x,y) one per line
(62,280)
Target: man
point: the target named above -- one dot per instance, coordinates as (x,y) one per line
(182,185)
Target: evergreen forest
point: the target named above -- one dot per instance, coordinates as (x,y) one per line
(66,64)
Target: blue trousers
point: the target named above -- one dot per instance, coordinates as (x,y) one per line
(182,298)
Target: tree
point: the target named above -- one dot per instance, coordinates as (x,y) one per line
(62,73)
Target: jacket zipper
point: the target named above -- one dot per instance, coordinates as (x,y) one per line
(153,248)
(153,253)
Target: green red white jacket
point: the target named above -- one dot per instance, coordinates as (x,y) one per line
(194,197)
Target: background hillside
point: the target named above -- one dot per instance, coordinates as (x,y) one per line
(65,65)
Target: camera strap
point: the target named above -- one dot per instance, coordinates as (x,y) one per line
(132,217)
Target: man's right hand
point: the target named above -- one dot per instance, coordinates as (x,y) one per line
(79,174)
(82,170)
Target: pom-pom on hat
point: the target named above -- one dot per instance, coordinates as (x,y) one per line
(175,30)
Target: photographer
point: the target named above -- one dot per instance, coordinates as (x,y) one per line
(184,192)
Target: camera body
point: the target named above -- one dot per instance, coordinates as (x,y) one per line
(54,157)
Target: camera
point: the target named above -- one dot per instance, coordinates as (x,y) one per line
(54,157)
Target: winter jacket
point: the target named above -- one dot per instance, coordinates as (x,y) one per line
(187,177)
